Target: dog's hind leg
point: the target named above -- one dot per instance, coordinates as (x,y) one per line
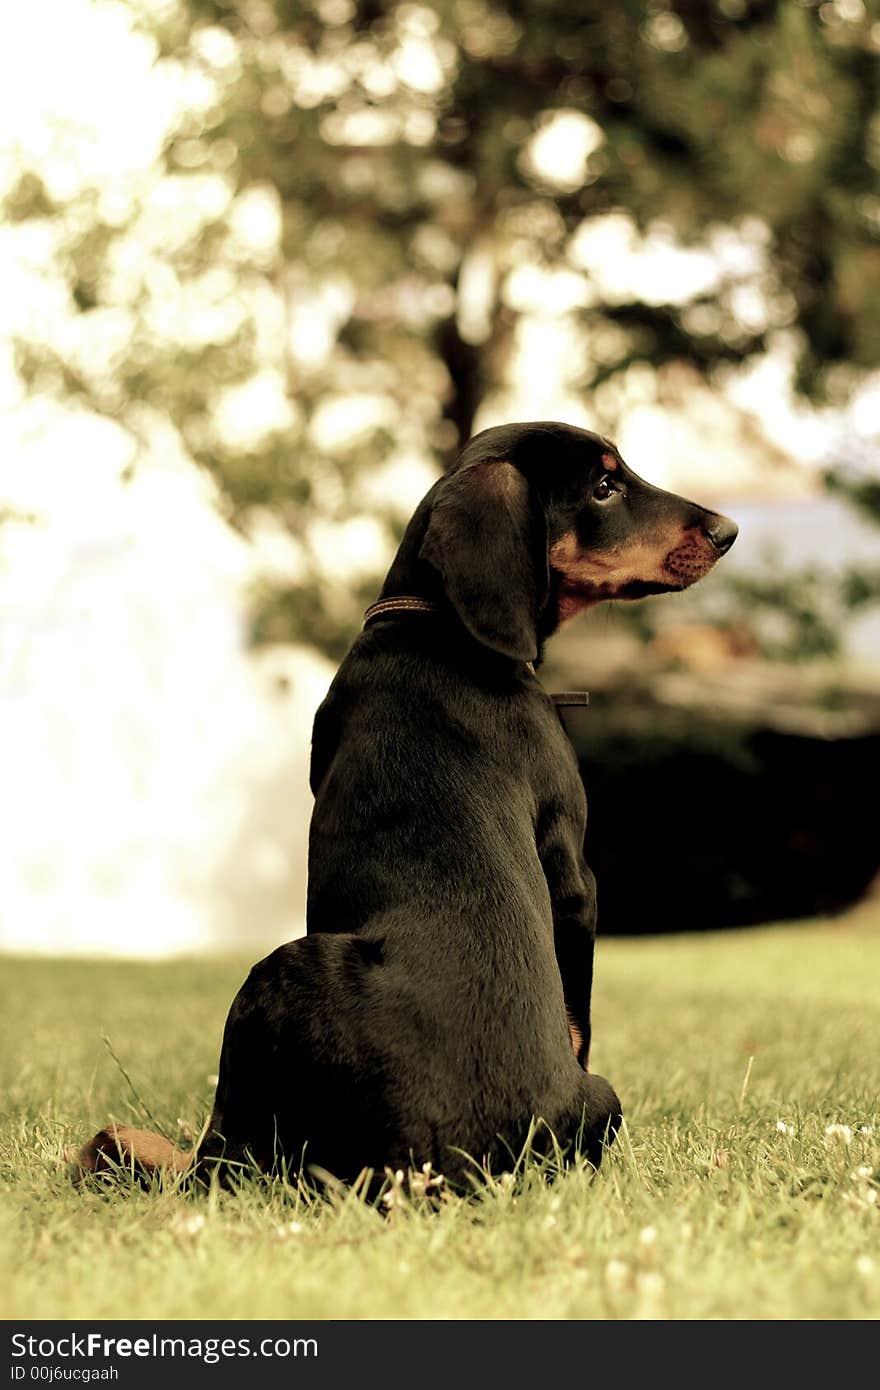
(295,1084)
(601,1117)
(242,1132)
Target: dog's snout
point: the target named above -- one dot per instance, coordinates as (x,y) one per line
(722,532)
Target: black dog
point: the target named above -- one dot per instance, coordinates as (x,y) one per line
(441,998)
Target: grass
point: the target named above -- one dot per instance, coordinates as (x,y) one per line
(705,1209)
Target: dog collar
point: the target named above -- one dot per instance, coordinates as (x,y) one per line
(407,603)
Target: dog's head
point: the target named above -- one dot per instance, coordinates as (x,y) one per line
(541,520)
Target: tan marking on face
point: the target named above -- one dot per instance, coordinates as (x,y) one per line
(609,462)
(591,576)
(693,557)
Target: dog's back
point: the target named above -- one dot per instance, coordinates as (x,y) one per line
(432,769)
(430,965)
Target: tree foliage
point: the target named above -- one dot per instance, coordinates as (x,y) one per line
(360,205)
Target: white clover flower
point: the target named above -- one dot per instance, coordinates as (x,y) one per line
(865,1266)
(648,1236)
(783,1128)
(290,1228)
(838,1134)
(421,1183)
(866,1131)
(394,1196)
(862,1173)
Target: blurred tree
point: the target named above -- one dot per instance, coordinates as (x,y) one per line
(362,203)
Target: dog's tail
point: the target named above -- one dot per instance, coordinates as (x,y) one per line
(139,1151)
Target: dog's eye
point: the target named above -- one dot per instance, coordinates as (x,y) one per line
(603,490)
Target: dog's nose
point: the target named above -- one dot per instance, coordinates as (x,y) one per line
(722,532)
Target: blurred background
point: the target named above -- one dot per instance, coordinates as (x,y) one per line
(264,265)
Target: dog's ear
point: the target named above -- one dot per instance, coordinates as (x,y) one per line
(487,538)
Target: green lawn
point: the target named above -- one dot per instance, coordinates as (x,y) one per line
(706,1209)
